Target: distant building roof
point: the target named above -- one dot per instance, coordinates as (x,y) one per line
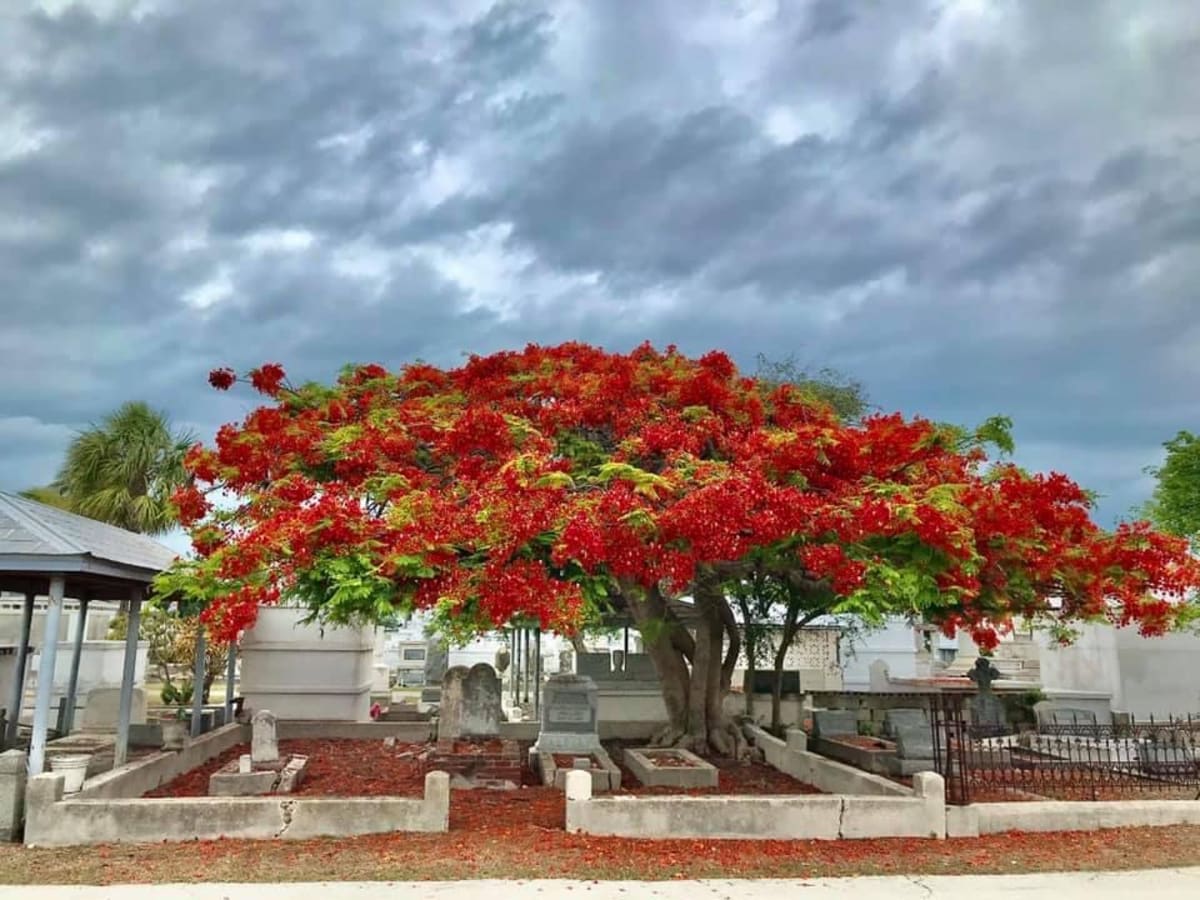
(37,539)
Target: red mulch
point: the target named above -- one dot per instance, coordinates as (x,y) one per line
(668,759)
(335,769)
(567,760)
(372,769)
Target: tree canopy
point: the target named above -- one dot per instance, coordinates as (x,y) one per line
(1175,506)
(555,483)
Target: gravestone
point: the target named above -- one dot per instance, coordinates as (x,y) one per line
(618,660)
(896,719)
(264,746)
(570,715)
(437,658)
(764,682)
(566,661)
(597,666)
(913,742)
(503,658)
(833,722)
(103,704)
(640,667)
(987,712)
(471,704)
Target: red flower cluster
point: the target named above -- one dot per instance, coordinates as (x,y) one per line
(519,484)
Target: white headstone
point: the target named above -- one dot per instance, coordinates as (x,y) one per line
(264,746)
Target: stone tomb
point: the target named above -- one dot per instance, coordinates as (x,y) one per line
(469,747)
(262,770)
(569,733)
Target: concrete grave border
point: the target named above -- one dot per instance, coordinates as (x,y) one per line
(51,821)
(605,777)
(858,805)
(698,774)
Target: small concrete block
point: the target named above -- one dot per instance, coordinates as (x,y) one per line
(228,783)
(581,762)
(578,786)
(12,793)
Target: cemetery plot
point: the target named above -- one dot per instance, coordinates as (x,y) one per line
(335,768)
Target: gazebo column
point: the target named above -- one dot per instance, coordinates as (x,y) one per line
(45,683)
(18,689)
(125,709)
(73,684)
(198,682)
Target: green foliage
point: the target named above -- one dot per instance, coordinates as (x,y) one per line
(123,471)
(1175,505)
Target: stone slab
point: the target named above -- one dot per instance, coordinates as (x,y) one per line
(832,722)
(895,719)
(697,775)
(914,742)
(292,774)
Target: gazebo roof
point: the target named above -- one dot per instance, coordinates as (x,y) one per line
(37,541)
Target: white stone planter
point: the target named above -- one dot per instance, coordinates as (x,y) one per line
(73,767)
(305,672)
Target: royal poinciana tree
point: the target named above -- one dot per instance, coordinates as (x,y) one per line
(557,483)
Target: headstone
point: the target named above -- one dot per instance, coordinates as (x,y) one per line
(832,722)
(245,763)
(437,658)
(618,660)
(896,719)
(566,661)
(503,658)
(471,703)
(764,681)
(987,712)
(264,746)
(640,667)
(879,676)
(597,666)
(570,715)
(913,742)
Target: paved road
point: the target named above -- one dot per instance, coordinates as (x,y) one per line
(1160,884)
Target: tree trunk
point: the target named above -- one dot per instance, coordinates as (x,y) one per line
(694,696)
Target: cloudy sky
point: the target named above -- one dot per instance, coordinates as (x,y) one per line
(973,208)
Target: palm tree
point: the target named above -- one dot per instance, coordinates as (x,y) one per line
(123,471)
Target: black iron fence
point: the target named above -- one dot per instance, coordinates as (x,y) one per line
(1076,759)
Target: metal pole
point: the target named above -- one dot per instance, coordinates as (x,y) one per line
(121,749)
(198,683)
(625,658)
(73,683)
(18,688)
(526,669)
(537,677)
(230,678)
(516,666)
(45,682)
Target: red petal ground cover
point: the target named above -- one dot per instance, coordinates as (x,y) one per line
(535,847)
(335,768)
(348,768)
